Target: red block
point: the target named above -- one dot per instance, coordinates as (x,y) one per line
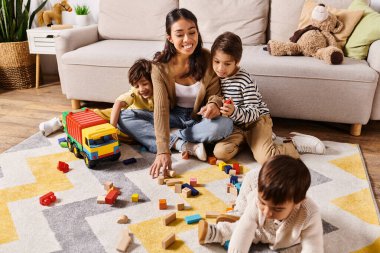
(236,167)
(62,166)
(111,197)
(47,199)
(211,160)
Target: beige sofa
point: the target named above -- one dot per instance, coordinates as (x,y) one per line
(93,61)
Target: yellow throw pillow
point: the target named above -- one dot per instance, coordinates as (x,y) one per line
(349,18)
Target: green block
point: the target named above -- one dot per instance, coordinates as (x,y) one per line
(63,144)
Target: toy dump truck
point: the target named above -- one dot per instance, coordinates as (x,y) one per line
(91,137)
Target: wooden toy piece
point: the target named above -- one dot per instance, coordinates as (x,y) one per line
(186,192)
(233,179)
(62,166)
(227,168)
(229,209)
(229,185)
(63,139)
(212,214)
(193,218)
(169,240)
(211,160)
(233,191)
(221,165)
(129,161)
(169,218)
(180,206)
(135,197)
(236,167)
(194,192)
(108,185)
(185,155)
(63,144)
(47,199)
(160,180)
(116,189)
(101,200)
(238,186)
(123,219)
(193,182)
(178,188)
(162,205)
(111,197)
(232,172)
(173,181)
(46,17)
(171,173)
(124,241)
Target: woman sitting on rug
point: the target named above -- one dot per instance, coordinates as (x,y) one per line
(185,87)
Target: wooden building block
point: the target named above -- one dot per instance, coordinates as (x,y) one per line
(124,241)
(101,200)
(162,205)
(107,185)
(232,172)
(221,165)
(186,192)
(173,181)
(180,206)
(135,197)
(111,197)
(193,182)
(212,214)
(193,218)
(211,160)
(178,188)
(160,180)
(169,240)
(123,219)
(236,167)
(169,218)
(171,173)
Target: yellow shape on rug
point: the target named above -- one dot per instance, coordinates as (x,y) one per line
(151,232)
(373,247)
(48,178)
(359,204)
(352,164)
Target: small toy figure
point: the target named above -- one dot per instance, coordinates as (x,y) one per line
(47,17)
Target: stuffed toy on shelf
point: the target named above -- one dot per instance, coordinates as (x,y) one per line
(46,17)
(315,40)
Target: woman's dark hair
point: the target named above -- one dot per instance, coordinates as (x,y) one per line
(197,63)
(141,68)
(229,43)
(283,178)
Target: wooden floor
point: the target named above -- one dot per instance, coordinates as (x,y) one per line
(21,111)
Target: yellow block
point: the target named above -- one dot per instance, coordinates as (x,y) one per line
(48,178)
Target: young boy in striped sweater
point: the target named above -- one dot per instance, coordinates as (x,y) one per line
(245,106)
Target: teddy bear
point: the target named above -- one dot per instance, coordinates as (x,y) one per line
(315,40)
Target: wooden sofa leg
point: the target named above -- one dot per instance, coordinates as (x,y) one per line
(75,104)
(356,129)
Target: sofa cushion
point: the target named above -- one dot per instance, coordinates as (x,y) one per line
(349,18)
(134,19)
(366,32)
(113,53)
(247,18)
(285,14)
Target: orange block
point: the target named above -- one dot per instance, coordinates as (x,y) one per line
(162,205)
(211,160)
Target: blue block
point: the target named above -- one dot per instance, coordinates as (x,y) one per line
(226,245)
(233,179)
(227,168)
(194,192)
(193,218)
(63,139)
(129,161)
(238,186)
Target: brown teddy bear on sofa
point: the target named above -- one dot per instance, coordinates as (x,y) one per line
(315,40)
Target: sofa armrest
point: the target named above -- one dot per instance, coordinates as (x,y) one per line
(71,39)
(374,56)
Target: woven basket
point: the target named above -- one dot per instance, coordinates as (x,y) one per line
(17,66)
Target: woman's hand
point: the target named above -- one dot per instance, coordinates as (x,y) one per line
(209,111)
(163,161)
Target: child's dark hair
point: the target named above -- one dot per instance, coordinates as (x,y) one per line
(197,63)
(229,43)
(283,178)
(141,68)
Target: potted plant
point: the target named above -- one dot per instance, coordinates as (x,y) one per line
(81,17)
(17,65)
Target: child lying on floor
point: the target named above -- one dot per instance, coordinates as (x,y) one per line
(274,210)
